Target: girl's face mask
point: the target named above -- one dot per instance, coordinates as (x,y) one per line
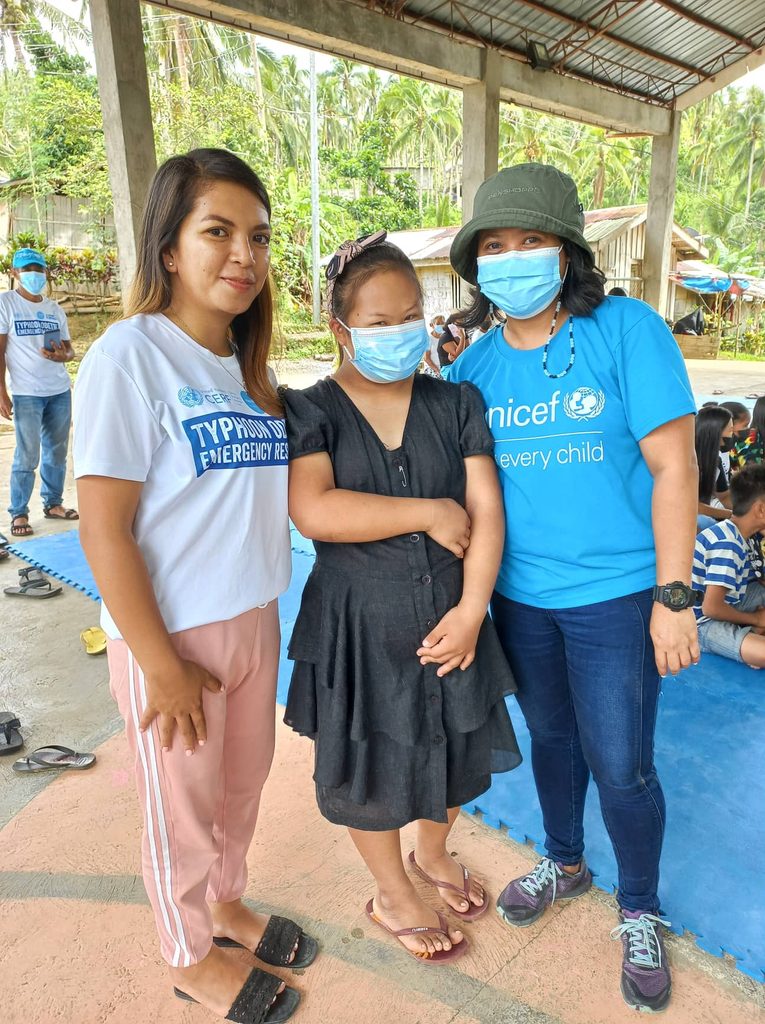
(728,444)
(521,284)
(387,354)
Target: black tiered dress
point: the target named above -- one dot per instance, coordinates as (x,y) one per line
(394,743)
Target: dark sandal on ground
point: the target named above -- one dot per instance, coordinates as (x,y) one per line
(46,759)
(32,583)
(10,737)
(66,513)
(476,910)
(22,529)
(277,944)
(441,956)
(255,1004)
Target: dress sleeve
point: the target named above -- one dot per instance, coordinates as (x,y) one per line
(475,436)
(116,432)
(652,376)
(308,427)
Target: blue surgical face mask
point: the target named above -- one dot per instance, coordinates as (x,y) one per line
(521,284)
(387,354)
(33,281)
(438,328)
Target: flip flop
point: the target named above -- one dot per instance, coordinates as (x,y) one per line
(94,640)
(277,944)
(254,1003)
(442,956)
(466,915)
(10,738)
(69,513)
(33,584)
(52,757)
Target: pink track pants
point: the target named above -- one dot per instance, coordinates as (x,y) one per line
(200,812)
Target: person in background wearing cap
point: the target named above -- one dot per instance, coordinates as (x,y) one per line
(34,345)
(592,415)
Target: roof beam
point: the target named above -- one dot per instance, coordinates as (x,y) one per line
(586,27)
(349,30)
(725,77)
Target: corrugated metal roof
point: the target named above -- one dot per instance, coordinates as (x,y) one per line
(652,49)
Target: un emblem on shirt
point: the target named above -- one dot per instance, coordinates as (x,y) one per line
(584,404)
(190,397)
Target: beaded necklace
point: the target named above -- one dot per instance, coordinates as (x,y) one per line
(572,349)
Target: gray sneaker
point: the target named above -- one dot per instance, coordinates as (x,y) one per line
(524,900)
(646,981)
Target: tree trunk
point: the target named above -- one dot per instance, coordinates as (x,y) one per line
(258,83)
(749,179)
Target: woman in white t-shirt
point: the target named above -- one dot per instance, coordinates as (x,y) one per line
(181,458)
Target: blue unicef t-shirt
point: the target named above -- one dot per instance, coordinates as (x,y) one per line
(577,490)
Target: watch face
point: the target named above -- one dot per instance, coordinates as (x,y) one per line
(678,597)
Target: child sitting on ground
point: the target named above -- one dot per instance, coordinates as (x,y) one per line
(727,566)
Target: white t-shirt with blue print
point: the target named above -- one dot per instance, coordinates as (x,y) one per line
(577,490)
(28,326)
(152,405)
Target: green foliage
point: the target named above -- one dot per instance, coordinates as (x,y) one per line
(391,148)
(66,266)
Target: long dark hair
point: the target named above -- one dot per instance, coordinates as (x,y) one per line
(710,423)
(584,288)
(758,417)
(173,192)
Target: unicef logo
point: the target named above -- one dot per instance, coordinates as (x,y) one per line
(190,397)
(584,404)
(250,403)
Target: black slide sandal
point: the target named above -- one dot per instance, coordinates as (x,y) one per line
(277,944)
(256,1004)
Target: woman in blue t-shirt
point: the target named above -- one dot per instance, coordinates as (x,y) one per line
(592,414)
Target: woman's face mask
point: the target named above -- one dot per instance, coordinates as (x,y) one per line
(521,284)
(387,354)
(728,443)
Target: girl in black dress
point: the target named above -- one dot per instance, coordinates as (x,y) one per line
(398,676)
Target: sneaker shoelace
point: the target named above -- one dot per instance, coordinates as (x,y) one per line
(544,873)
(644,945)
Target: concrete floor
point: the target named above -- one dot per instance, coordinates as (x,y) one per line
(78,943)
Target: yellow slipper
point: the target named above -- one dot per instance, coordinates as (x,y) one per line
(94,640)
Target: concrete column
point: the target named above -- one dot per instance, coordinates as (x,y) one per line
(661,208)
(128,131)
(480,129)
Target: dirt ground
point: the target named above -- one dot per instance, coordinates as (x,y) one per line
(78,943)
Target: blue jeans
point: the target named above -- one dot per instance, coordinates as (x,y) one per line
(39,421)
(588,688)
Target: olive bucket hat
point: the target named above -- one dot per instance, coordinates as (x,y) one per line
(525,196)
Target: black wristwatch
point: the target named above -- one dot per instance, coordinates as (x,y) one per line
(677,596)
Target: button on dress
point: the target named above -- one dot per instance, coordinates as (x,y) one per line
(393,742)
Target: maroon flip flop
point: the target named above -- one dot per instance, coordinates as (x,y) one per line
(466,915)
(442,956)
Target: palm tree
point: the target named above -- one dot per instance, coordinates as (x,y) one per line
(747,140)
(18,15)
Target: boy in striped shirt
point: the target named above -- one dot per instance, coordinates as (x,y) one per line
(727,566)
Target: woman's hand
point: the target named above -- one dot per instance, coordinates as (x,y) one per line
(450,526)
(675,639)
(175,698)
(451,644)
